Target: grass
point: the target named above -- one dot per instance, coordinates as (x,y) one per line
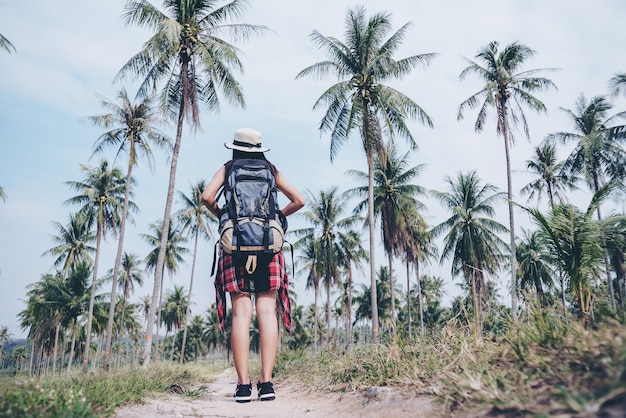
(98,394)
(542,366)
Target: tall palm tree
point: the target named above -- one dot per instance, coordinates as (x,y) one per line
(73,240)
(101,196)
(6,45)
(471,239)
(598,155)
(617,83)
(324,218)
(195,219)
(132,128)
(506,89)
(194,65)
(362,101)
(174,256)
(394,197)
(551,179)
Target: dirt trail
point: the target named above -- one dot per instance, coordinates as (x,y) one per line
(291,401)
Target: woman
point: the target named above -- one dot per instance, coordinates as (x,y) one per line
(230,278)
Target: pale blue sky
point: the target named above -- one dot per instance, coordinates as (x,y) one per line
(69,51)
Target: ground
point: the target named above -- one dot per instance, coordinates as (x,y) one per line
(291,401)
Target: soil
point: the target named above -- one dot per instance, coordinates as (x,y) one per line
(291,401)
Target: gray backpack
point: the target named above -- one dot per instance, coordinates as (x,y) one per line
(252,228)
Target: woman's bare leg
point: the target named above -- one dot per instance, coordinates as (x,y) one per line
(268,330)
(240,334)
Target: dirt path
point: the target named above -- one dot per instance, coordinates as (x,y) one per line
(291,401)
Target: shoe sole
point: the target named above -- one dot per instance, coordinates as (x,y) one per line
(243,399)
(267,397)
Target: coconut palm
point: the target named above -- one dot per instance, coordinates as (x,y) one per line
(173,312)
(6,45)
(312,261)
(394,197)
(574,238)
(73,240)
(3,195)
(174,256)
(186,56)
(551,178)
(598,156)
(130,275)
(617,83)
(5,338)
(195,219)
(363,299)
(351,252)
(471,239)
(132,129)
(506,89)
(324,218)
(362,101)
(101,196)
(534,264)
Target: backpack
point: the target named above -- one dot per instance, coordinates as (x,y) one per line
(252,227)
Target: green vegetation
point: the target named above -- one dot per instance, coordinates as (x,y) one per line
(97,394)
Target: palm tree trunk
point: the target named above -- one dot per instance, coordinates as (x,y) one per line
(92,297)
(420,297)
(158,275)
(509,183)
(72,346)
(349,309)
(408,297)
(315,320)
(54,351)
(193,267)
(118,261)
(370,218)
(392,293)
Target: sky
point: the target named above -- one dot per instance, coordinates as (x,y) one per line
(68,53)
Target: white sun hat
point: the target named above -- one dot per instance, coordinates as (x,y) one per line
(247,140)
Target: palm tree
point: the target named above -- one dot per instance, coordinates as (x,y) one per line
(617,83)
(534,264)
(194,218)
(132,129)
(598,155)
(100,195)
(310,256)
(5,338)
(73,241)
(471,239)
(324,218)
(174,256)
(194,65)
(130,275)
(551,179)
(362,101)
(394,197)
(3,195)
(6,45)
(174,310)
(574,239)
(506,89)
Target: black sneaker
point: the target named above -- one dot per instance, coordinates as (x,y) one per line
(266,391)
(243,393)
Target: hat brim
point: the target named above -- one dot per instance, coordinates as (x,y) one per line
(245,149)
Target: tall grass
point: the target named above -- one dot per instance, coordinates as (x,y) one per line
(542,365)
(97,394)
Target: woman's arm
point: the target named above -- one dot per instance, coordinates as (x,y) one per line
(296,199)
(211,190)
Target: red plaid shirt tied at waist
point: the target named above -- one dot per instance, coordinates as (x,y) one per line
(231,278)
